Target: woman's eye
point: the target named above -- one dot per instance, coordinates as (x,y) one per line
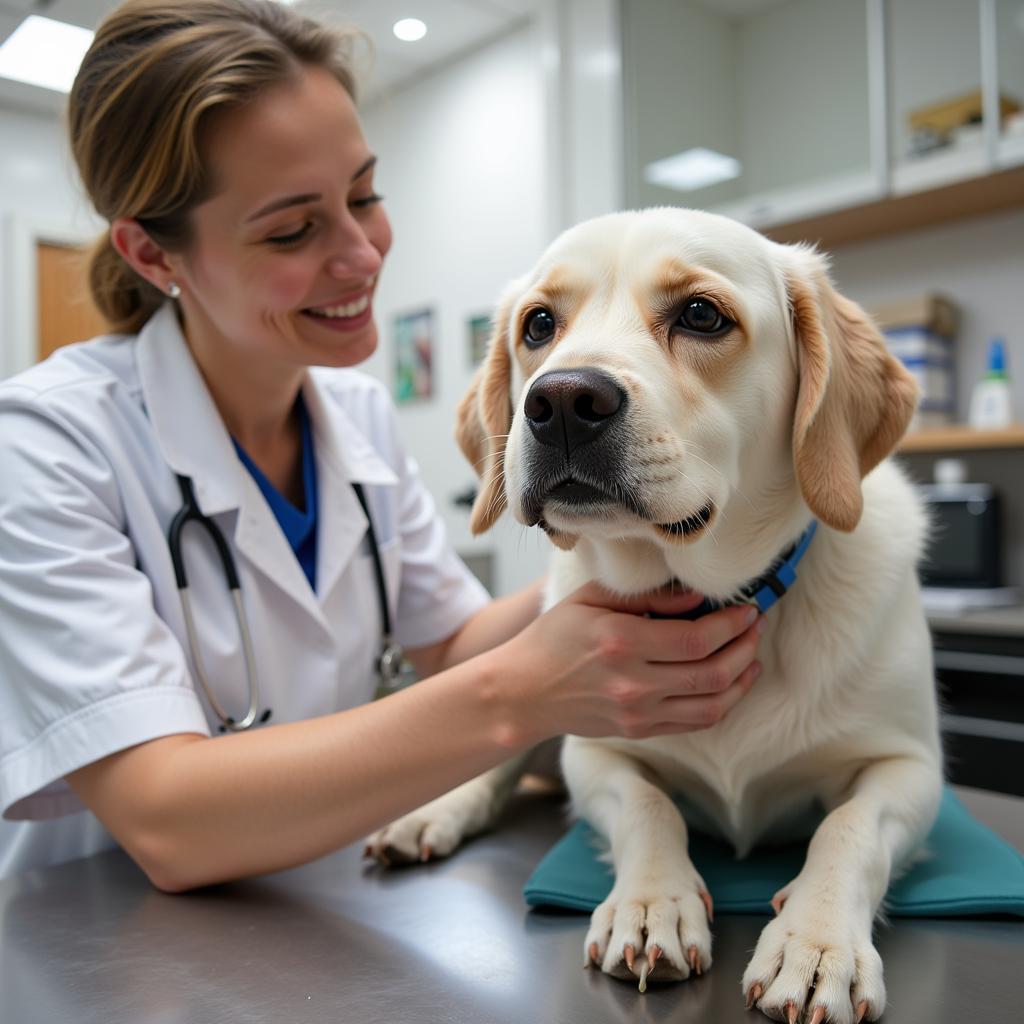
(700,316)
(539,328)
(291,239)
(365,201)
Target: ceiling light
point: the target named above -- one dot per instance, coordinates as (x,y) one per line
(409,29)
(44,52)
(692,169)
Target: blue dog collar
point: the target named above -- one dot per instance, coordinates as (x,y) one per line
(766,590)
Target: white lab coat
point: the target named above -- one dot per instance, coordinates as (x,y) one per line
(93,650)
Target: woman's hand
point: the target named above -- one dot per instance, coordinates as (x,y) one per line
(593,665)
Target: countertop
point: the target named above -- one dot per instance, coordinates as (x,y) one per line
(340,940)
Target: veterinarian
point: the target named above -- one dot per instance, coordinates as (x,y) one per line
(211,541)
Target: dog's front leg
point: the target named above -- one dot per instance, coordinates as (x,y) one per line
(437,828)
(654,922)
(821,938)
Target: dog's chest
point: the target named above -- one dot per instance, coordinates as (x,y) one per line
(764,771)
(760,791)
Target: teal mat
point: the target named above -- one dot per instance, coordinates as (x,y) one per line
(970,871)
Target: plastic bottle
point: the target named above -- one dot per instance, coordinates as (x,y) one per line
(992,401)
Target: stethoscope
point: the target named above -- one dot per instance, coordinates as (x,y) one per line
(389,660)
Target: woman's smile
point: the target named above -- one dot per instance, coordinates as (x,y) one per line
(343,316)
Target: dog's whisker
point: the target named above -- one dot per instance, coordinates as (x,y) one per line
(714,469)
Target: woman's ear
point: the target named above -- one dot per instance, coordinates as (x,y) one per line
(141,253)
(482,423)
(854,400)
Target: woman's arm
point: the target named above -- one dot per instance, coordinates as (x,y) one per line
(495,623)
(193,810)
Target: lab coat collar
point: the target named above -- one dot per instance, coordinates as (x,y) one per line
(340,445)
(344,456)
(191,435)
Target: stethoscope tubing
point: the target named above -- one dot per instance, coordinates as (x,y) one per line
(190,513)
(389,661)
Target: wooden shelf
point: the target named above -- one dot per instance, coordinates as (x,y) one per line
(997,191)
(960,438)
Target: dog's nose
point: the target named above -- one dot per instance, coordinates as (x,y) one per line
(570,408)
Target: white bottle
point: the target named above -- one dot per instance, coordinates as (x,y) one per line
(992,401)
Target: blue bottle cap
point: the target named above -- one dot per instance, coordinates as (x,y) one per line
(996,358)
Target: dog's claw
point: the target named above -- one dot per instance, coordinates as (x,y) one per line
(791,1013)
(426,852)
(819,1015)
(709,905)
(862,1008)
(753,994)
(778,902)
(593,956)
(629,955)
(694,958)
(652,957)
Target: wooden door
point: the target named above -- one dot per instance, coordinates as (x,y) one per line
(66,309)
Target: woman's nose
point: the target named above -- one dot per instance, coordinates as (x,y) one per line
(355,253)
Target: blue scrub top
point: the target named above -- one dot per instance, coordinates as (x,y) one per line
(299,525)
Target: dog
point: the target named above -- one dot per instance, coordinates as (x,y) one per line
(672,396)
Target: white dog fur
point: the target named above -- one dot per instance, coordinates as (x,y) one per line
(786,417)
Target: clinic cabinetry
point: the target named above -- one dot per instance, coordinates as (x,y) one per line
(979,668)
(846,120)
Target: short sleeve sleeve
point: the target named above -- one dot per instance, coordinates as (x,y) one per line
(87,667)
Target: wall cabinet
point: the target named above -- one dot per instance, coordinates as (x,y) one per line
(815,107)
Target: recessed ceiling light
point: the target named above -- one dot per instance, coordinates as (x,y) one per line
(692,169)
(44,52)
(409,29)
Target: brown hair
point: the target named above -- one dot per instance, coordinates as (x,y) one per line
(154,73)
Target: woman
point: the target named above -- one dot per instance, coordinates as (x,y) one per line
(219,139)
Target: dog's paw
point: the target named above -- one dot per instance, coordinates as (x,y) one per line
(652,931)
(434,830)
(817,968)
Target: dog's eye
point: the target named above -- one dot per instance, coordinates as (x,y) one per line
(701,316)
(539,328)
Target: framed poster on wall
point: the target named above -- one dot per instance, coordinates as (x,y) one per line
(414,355)
(479,328)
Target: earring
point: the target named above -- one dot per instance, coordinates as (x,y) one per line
(174,290)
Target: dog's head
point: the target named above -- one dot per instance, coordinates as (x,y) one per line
(669,375)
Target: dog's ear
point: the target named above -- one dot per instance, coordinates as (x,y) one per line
(854,401)
(482,422)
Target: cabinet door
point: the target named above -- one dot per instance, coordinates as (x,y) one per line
(936,132)
(1010,63)
(774,93)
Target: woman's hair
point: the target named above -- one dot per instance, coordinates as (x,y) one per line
(155,72)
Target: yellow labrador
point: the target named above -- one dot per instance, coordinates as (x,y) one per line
(682,398)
